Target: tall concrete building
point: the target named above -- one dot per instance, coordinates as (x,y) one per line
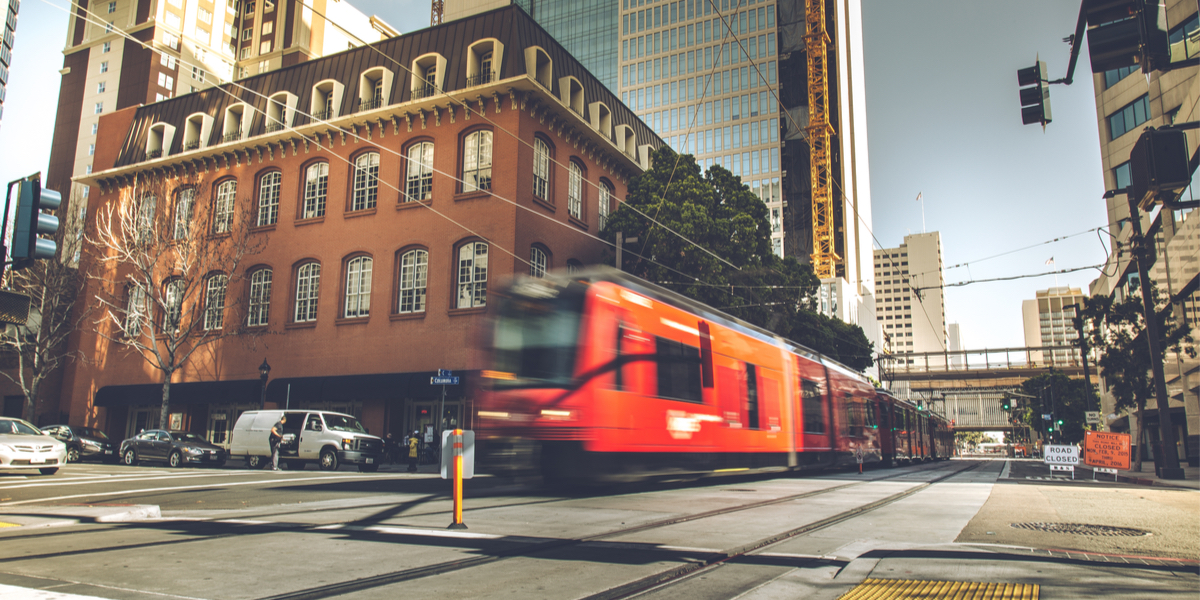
(1127,102)
(908,292)
(179,47)
(1048,322)
(707,77)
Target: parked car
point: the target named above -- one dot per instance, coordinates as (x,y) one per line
(84,443)
(175,448)
(328,439)
(24,447)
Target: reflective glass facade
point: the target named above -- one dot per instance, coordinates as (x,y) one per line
(586,28)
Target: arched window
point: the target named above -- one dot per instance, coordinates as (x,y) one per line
(358,287)
(604,207)
(145,218)
(541,169)
(316,188)
(414,273)
(537,262)
(185,206)
(260,298)
(135,311)
(418,184)
(366,181)
(574,266)
(477,161)
(575,190)
(268,198)
(308,283)
(223,206)
(472,275)
(214,301)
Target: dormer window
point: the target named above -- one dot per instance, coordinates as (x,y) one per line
(280,110)
(429,73)
(601,119)
(158,141)
(483,62)
(374,87)
(539,66)
(196,132)
(626,142)
(237,122)
(326,100)
(572,94)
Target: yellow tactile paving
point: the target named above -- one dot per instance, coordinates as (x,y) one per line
(908,589)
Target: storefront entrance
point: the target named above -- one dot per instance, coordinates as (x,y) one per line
(422,418)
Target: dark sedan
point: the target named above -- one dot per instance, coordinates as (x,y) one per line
(84,443)
(176,448)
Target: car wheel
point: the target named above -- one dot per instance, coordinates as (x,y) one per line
(329,460)
(254,462)
(48,470)
(368,468)
(130,457)
(295,465)
(175,459)
(72,455)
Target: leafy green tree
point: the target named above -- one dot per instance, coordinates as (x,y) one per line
(970,438)
(721,254)
(1058,395)
(1117,332)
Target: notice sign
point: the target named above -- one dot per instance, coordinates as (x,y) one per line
(1106,450)
(1061,455)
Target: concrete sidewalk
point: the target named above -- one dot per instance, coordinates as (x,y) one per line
(74,514)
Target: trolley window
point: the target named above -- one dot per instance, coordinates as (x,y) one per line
(814,409)
(535,339)
(752,397)
(678,370)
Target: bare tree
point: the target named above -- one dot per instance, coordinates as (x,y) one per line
(39,347)
(165,252)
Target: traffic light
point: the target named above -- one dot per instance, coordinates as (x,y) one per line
(1059,423)
(31,221)
(1158,165)
(1006,404)
(1124,33)
(1035,94)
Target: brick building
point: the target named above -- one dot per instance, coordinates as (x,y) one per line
(394,186)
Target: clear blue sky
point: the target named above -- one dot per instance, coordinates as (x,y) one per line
(943,117)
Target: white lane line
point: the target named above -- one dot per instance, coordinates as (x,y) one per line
(12,592)
(119,479)
(1005,470)
(188,487)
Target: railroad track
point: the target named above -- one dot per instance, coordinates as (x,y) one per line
(645,584)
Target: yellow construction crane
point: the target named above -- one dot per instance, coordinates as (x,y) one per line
(435,15)
(816,41)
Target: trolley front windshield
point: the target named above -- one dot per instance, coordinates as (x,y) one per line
(536,336)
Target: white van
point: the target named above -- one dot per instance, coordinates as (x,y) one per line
(310,436)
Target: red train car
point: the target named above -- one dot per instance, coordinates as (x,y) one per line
(598,375)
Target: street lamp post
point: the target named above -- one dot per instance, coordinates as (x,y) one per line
(264,370)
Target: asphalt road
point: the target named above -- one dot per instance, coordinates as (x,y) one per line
(256,535)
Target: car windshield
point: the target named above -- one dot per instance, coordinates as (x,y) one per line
(90,432)
(18,427)
(344,423)
(187,437)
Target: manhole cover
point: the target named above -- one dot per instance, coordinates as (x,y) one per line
(1082,529)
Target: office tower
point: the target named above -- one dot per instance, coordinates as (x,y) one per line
(1048,322)
(908,294)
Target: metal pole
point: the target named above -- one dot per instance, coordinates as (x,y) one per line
(620,244)
(1168,462)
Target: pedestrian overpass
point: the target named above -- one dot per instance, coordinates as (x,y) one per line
(967,386)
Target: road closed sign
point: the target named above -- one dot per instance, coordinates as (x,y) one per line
(1106,450)
(1061,455)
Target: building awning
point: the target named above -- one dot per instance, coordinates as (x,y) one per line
(333,388)
(196,392)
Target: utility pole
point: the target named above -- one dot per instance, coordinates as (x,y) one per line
(1083,355)
(1166,459)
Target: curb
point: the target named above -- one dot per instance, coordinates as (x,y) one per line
(75,514)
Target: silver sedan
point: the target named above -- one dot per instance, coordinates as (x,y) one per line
(24,447)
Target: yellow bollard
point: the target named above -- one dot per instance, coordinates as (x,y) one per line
(456,445)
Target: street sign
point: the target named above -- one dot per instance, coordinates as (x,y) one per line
(1045,417)
(1092,417)
(1108,450)
(443,380)
(1060,455)
(444,373)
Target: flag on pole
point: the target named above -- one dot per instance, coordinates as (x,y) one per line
(919,196)
(1050,260)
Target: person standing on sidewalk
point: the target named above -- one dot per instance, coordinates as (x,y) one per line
(414,445)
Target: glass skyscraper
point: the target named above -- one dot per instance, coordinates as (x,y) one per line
(586,28)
